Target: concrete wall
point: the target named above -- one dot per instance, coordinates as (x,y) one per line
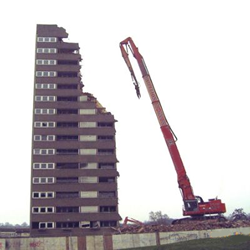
(61,243)
(114,242)
(124,241)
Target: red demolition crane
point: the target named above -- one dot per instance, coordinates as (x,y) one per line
(194,206)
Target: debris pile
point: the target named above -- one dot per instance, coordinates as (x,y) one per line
(188,226)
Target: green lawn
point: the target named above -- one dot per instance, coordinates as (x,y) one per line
(237,242)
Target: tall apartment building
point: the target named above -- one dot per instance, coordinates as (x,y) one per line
(74,174)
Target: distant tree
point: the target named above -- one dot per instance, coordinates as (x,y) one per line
(152,216)
(7,224)
(159,218)
(238,214)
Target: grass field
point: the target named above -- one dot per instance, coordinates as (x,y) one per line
(237,242)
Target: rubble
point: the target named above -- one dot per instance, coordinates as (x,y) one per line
(187,226)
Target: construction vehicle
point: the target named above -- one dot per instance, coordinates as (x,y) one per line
(133,221)
(194,206)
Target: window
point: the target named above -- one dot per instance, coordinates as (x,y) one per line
(67,124)
(88,151)
(67,195)
(45,111)
(67,111)
(68,51)
(67,137)
(35,210)
(44,137)
(45,73)
(107,179)
(46,50)
(43,165)
(87,137)
(87,179)
(43,180)
(89,209)
(46,39)
(105,151)
(44,124)
(87,111)
(87,124)
(83,98)
(43,195)
(67,224)
(107,194)
(50,194)
(67,165)
(90,165)
(108,223)
(67,151)
(67,209)
(39,151)
(89,224)
(106,165)
(67,180)
(107,209)
(105,124)
(85,224)
(39,98)
(67,86)
(43,210)
(50,209)
(67,74)
(89,194)
(45,86)
(45,62)
(67,98)
(68,62)
(46,225)
(105,137)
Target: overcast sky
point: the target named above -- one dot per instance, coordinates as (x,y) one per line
(198,56)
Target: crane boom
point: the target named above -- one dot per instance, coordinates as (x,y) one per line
(193,205)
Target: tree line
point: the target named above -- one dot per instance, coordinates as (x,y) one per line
(9,225)
(163,219)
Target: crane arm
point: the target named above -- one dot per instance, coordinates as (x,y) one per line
(127,61)
(169,136)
